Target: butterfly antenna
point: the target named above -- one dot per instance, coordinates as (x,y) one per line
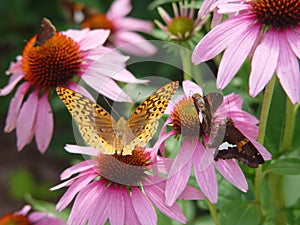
(111,107)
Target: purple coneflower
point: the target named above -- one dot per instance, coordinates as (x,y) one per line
(123,29)
(266,30)
(23,217)
(118,188)
(185,123)
(62,60)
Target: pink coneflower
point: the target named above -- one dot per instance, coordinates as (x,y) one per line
(64,59)
(23,217)
(183,26)
(123,29)
(119,188)
(184,121)
(266,30)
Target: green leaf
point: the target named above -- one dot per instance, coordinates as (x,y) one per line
(239,213)
(290,166)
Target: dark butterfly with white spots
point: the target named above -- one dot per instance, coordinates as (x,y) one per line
(229,141)
(46,31)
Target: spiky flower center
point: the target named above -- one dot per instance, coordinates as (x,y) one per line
(14,219)
(124,169)
(98,21)
(53,63)
(181,27)
(277,13)
(185,118)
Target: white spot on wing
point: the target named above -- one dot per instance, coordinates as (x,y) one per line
(225,146)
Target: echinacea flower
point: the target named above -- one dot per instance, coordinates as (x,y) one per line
(266,30)
(123,29)
(118,188)
(185,122)
(183,26)
(61,60)
(23,217)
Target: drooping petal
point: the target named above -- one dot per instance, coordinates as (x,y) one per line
(233,173)
(80,89)
(293,36)
(191,88)
(179,172)
(220,37)
(206,179)
(231,61)
(130,214)
(13,80)
(164,15)
(85,150)
(116,210)
(77,168)
(76,187)
(133,24)
(14,107)
(133,43)
(119,9)
(156,195)
(44,124)
(26,120)
(205,8)
(143,208)
(191,193)
(264,62)
(288,69)
(262,150)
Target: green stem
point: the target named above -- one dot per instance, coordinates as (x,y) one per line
(186,64)
(290,117)
(213,212)
(261,137)
(277,198)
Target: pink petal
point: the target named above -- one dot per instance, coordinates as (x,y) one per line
(180,172)
(156,194)
(164,15)
(191,88)
(93,39)
(231,171)
(288,69)
(133,43)
(191,193)
(235,55)
(124,75)
(44,124)
(206,179)
(76,187)
(205,8)
(232,8)
(264,62)
(100,216)
(119,9)
(130,215)
(77,168)
(106,86)
(217,18)
(85,150)
(132,24)
(117,208)
(207,157)
(76,35)
(80,89)
(13,80)
(14,107)
(220,37)
(143,208)
(26,120)
(293,36)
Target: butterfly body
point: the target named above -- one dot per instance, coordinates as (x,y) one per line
(101,131)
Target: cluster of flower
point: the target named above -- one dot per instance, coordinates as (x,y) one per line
(124,188)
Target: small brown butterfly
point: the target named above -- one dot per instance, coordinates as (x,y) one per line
(46,31)
(102,132)
(229,141)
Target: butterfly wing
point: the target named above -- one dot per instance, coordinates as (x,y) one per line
(144,120)
(240,147)
(46,31)
(96,125)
